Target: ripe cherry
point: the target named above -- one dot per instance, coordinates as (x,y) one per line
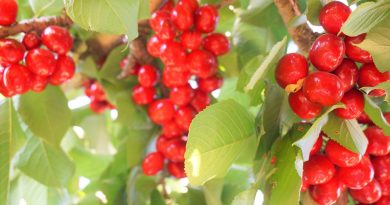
(217,43)
(38,83)
(193,4)
(354,103)
(317,146)
(384,200)
(161,111)
(326,193)
(323,88)
(382,167)
(95,92)
(364,119)
(191,39)
(327,52)
(132,71)
(175,149)
(355,53)
(154,46)
(176,169)
(202,63)
(98,106)
(206,18)
(31,40)
(200,101)
(358,176)
(3,90)
(173,54)
(184,116)
(173,78)
(378,142)
(370,76)
(158,18)
(348,74)
(291,68)
(368,194)
(57,39)
(153,163)
(11,51)
(341,156)
(143,95)
(171,129)
(182,16)
(148,76)
(333,15)
(210,84)
(8,12)
(161,143)
(41,62)
(168,6)
(302,106)
(181,95)
(64,71)
(318,170)
(167,31)
(17,79)
(385,187)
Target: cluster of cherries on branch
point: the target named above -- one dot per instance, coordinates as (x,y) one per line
(187,47)
(37,60)
(337,78)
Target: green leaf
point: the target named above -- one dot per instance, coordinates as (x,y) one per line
(88,68)
(24,10)
(46,7)
(139,188)
(374,112)
(221,131)
(6,136)
(105,16)
(88,164)
(212,191)
(246,197)
(45,163)
(110,69)
(365,17)
(144,12)
(156,198)
(46,114)
(313,11)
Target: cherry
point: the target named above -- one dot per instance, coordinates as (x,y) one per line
(217,43)
(341,156)
(173,78)
(167,31)
(148,76)
(154,46)
(161,143)
(354,103)
(3,90)
(168,6)
(8,12)
(326,193)
(378,142)
(364,119)
(323,88)
(385,187)
(158,18)
(57,39)
(176,169)
(181,95)
(16,79)
(317,146)
(123,66)
(201,100)
(175,149)
(304,186)
(193,4)
(173,54)
(348,73)
(41,62)
(31,40)
(358,176)
(38,83)
(191,39)
(370,76)
(291,68)
(333,15)
(11,51)
(202,63)
(355,53)
(327,52)
(368,194)
(95,92)
(161,111)
(184,116)
(384,200)
(153,163)
(382,167)
(99,106)
(143,95)
(171,129)
(65,70)
(210,84)
(182,16)
(302,106)
(318,170)
(206,18)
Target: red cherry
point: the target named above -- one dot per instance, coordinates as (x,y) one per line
(358,176)
(368,194)
(143,95)
(176,169)
(355,53)
(341,156)
(65,70)
(327,52)
(100,106)
(184,116)
(217,43)
(41,62)
(181,95)
(158,18)
(378,142)
(182,16)
(11,51)
(181,68)
(8,12)
(333,15)
(384,200)
(31,40)
(96,92)
(161,111)
(191,39)
(206,18)
(354,103)
(155,45)
(173,54)
(17,78)
(318,170)
(3,90)
(370,76)
(326,193)
(171,129)
(168,6)
(201,100)
(161,143)
(291,68)
(210,84)
(175,149)
(153,163)
(317,146)
(123,66)
(173,78)
(364,119)
(203,64)
(381,167)
(57,39)
(167,31)
(38,83)
(348,74)
(193,4)
(302,106)
(323,88)
(148,76)
(385,187)
(304,186)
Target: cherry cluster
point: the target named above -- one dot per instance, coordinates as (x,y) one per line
(337,77)
(94,91)
(187,47)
